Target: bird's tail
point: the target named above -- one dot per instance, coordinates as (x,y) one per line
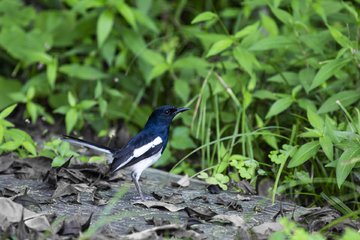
(94,146)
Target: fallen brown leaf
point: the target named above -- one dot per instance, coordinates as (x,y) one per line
(14,212)
(97,200)
(5,162)
(25,200)
(267,228)
(232,205)
(242,198)
(174,198)
(183,182)
(213,189)
(203,197)
(64,189)
(200,213)
(176,230)
(154,204)
(157,221)
(234,220)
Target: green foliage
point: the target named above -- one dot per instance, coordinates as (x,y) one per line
(12,139)
(256,74)
(217,179)
(292,231)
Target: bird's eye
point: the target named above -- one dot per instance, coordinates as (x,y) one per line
(167,112)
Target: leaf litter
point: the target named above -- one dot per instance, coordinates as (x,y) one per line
(69,181)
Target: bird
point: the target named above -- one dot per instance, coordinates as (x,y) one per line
(143,150)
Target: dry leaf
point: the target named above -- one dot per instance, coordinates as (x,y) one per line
(235,220)
(203,197)
(13,212)
(154,204)
(242,198)
(64,189)
(268,228)
(174,198)
(184,181)
(200,213)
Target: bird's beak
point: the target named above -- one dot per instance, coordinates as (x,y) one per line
(179,110)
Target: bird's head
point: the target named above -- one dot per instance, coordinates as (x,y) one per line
(164,115)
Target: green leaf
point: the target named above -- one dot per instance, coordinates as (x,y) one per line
(86,104)
(30,94)
(219,47)
(295,90)
(98,89)
(306,103)
(182,89)
(329,128)
(351,9)
(51,72)
(247,30)
(315,120)
(292,78)
(320,10)
(279,106)
(127,13)
(102,106)
(328,70)
(71,99)
(115,93)
(327,146)
(62,109)
(82,71)
(10,146)
(71,119)
(339,37)
(146,21)
(6,112)
(1,133)
(18,135)
(204,17)
(311,133)
(273,42)
(157,71)
(244,58)
(191,62)
(346,98)
(181,139)
(283,16)
(342,169)
(306,75)
(269,24)
(58,161)
(265,94)
(30,147)
(104,25)
(32,110)
(305,152)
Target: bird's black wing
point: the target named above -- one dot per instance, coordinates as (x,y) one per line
(124,157)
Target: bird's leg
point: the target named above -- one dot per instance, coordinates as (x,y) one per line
(135,179)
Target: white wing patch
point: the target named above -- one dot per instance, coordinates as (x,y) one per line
(141,150)
(139,167)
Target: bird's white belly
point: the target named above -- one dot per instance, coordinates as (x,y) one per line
(145,163)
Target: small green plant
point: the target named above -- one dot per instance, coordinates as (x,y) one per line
(217,179)
(13,139)
(293,232)
(59,151)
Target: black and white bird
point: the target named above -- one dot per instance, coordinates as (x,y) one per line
(144,149)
